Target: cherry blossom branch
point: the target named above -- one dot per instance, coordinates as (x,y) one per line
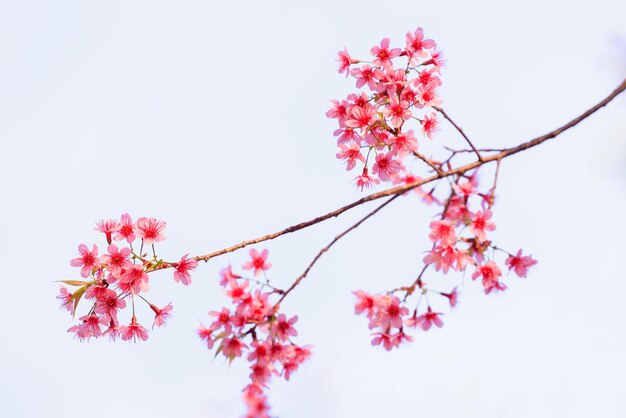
(399,190)
(458,128)
(326,248)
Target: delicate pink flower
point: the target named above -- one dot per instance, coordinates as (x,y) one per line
(391,313)
(481,224)
(150,230)
(98,292)
(387,340)
(134,280)
(430,125)
(383,55)
(283,328)
(427,95)
(436,59)
(108,227)
(258,262)
(345,60)
(66,299)
(364,181)
(237,292)
(351,153)
(108,306)
(182,270)
(426,320)
(161,315)
(339,110)
(364,303)
(453,297)
(260,352)
(416,44)
(261,373)
(134,331)
(427,77)
(364,75)
(404,143)
(385,166)
(490,273)
(127,229)
(88,260)
(347,135)
(91,325)
(222,319)
(231,347)
(361,117)
(117,260)
(442,232)
(205,334)
(397,110)
(520,264)
(226,275)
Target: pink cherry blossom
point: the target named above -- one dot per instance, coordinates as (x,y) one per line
(127,229)
(351,153)
(133,331)
(519,263)
(283,328)
(481,224)
(364,75)
(490,272)
(161,315)
(108,227)
(365,181)
(150,230)
(134,280)
(387,340)
(117,260)
(88,260)
(385,166)
(416,44)
(258,262)
(65,296)
(453,297)
(397,110)
(345,61)
(182,270)
(383,55)
(222,319)
(442,232)
(232,347)
(109,305)
(430,125)
(427,320)
(361,117)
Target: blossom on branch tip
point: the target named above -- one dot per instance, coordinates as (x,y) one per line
(133,331)
(182,270)
(108,227)
(519,263)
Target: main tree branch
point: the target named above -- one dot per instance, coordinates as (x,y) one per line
(399,190)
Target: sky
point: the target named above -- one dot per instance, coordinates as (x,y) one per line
(210,115)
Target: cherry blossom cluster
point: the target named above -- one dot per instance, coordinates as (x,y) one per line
(397,86)
(460,242)
(255,329)
(117,276)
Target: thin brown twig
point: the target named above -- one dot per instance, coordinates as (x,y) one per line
(430,163)
(399,190)
(458,128)
(326,248)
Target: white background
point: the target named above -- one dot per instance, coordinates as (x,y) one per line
(210,115)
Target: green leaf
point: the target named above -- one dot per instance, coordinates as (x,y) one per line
(77,295)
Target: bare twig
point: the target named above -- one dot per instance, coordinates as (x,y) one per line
(326,248)
(430,163)
(458,128)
